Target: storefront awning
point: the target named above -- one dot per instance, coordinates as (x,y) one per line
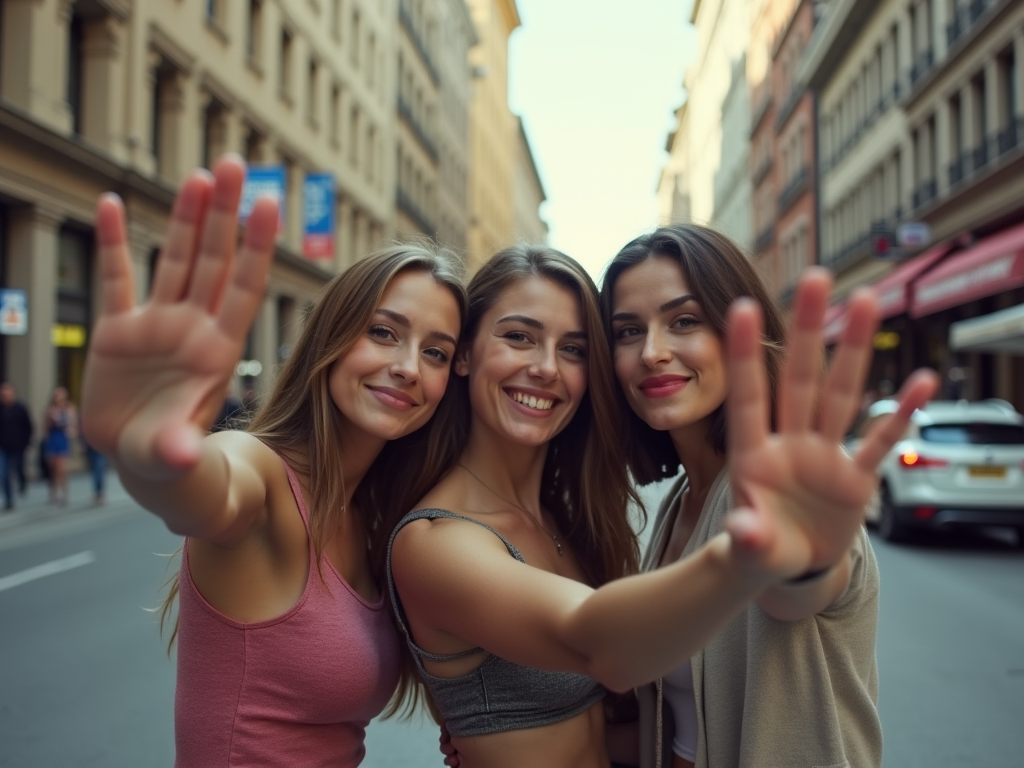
(893,290)
(1000,332)
(994,265)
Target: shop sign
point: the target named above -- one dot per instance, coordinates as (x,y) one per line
(13,312)
(263,181)
(885,340)
(913,234)
(318,216)
(69,336)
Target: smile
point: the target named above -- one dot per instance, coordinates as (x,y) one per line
(663,386)
(531,401)
(394,398)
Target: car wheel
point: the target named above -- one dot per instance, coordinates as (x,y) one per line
(890,528)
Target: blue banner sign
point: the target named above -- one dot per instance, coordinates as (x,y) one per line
(318,216)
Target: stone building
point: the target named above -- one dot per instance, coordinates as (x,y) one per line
(528,192)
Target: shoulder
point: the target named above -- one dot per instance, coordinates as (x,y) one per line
(432,539)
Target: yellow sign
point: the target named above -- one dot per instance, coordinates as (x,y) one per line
(886,340)
(69,336)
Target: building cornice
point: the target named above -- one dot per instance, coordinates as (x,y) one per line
(530,158)
(510,14)
(832,39)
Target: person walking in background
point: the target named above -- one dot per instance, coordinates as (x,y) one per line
(98,472)
(60,425)
(15,435)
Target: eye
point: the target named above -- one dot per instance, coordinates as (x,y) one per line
(438,354)
(685,322)
(575,350)
(382,332)
(518,337)
(627,332)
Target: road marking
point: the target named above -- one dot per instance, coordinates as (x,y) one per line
(46,569)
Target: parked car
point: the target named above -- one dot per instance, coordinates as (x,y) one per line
(959,464)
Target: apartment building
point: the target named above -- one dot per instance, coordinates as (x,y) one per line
(102,95)
(921,114)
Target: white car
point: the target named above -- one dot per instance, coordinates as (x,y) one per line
(959,464)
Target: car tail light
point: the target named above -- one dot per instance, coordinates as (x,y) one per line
(911,460)
(924,513)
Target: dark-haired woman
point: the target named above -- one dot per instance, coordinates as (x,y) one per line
(504,576)
(791,680)
(286,648)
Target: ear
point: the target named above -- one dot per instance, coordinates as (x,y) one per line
(461,366)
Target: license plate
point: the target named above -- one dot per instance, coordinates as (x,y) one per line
(998,472)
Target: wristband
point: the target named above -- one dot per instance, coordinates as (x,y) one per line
(809,577)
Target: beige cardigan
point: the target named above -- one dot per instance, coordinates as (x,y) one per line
(773,694)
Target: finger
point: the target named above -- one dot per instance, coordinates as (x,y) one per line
(179,250)
(244,293)
(798,385)
(747,405)
(179,446)
(918,390)
(115,261)
(845,384)
(219,234)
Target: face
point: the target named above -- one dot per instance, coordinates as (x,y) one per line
(6,394)
(668,358)
(527,365)
(60,396)
(390,382)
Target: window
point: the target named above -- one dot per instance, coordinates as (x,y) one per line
(353,135)
(254,33)
(336,20)
(371,60)
(284,65)
(333,119)
(312,105)
(974,434)
(76,63)
(357,31)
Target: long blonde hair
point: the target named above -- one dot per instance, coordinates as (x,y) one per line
(299,418)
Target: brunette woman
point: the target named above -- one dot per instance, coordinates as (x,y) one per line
(792,679)
(504,577)
(60,427)
(286,650)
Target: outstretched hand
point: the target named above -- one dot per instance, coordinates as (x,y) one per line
(157,372)
(800,496)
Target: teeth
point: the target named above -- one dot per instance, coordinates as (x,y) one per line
(530,401)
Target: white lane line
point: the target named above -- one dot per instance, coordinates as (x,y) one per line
(46,569)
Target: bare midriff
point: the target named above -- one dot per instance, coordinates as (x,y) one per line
(574,743)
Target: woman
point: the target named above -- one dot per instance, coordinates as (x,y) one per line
(502,577)
(60,424)
(286,650)
(792,679)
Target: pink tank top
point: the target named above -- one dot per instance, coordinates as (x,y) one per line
(298,690)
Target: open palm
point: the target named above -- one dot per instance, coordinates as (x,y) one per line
(156,373)
(801,495)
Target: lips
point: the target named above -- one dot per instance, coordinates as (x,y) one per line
(663,386)
(394,398)
(534,401)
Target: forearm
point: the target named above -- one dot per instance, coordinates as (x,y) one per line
(636,629)
(792,602)
(199,503)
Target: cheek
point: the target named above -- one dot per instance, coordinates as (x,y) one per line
(435,383)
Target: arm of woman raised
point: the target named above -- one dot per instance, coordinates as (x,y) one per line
(156,372)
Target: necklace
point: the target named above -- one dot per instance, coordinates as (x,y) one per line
(513,504)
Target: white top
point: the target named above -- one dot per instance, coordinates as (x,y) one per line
(678,691)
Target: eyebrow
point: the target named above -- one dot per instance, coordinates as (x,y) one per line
(402,320)
(671,304)
(534,323)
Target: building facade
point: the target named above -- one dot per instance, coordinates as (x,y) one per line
(493,130)
(921,115)
(528,193)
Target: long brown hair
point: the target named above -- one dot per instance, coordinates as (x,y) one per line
(300,421)
(584,485)
(718,273)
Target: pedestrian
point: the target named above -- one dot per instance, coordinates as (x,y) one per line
(286,649)
(792,679)
(506,577)
(15,436)
(60,427)
(97,472)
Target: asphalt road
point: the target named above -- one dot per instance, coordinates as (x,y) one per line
(84,680)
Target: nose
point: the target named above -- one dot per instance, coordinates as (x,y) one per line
(406,365)
(654,351)
(545,362)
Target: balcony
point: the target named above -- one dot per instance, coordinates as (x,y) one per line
(792,191)
(764,238)
(407,206)
(957,171)
(406,20)
(788,106)
(980,156)
(975,9)
(762,170)
(1010,137)
(921,65)
(925,193)
(957,27)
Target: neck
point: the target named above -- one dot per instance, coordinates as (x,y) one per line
(700,461)
(358,452)
(508,469)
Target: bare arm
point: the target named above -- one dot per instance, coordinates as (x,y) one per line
(156,372)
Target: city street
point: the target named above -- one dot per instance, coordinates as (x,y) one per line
(84,680)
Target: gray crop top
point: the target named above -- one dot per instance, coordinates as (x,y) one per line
(498,695)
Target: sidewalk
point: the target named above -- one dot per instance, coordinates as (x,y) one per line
(34,506)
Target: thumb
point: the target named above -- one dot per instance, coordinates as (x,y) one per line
(179,446)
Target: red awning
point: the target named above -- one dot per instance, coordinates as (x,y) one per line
(993,265)
(893,290)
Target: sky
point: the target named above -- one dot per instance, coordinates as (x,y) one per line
(596,83)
